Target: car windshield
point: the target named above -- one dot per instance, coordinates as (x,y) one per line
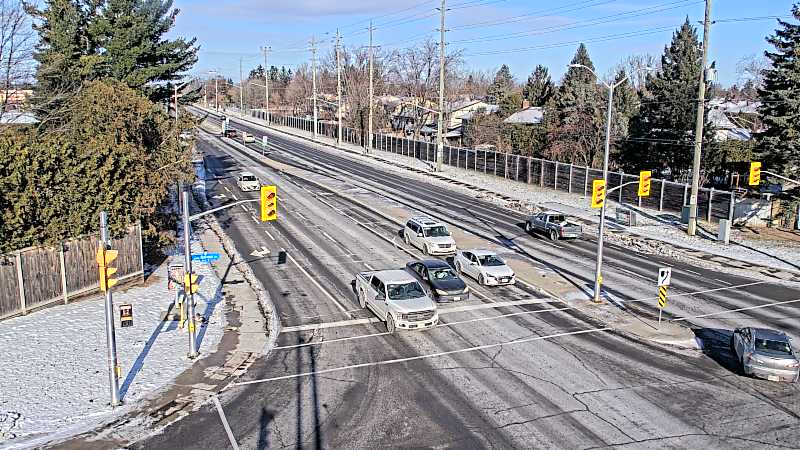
(768,346)
(405,291)
(248,178)
(444,273)
(491,260)
(436,231)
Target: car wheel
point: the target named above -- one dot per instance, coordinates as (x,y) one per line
(426,250)
(528,227)
(553,235)
(481,280)
(458,268)
(390,323)
(362,300)
(405,237)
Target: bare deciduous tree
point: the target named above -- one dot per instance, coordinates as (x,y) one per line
(17,41)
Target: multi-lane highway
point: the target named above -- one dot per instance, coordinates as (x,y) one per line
(511,368)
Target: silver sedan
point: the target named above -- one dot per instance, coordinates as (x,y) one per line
(766,354)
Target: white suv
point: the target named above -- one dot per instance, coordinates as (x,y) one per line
(430,236)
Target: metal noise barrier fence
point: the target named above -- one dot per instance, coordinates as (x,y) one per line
(712,204)
(36,277)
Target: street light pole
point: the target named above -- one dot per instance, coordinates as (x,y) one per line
(338,89)
(266,82)
(241,88)
(371,88)
(439,138)
(691,230)
(314,81)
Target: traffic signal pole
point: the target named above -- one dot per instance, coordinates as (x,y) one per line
(598,279)
(187,264)
(114,371)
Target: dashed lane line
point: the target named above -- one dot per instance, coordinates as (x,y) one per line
(315,283)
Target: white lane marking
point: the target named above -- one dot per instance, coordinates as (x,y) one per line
(680,319)
(244,208)
(324,291)
(226,188)
(368,266)
(329,238)
(441,325)
(234,197)
(225,423)
(322,326)
(528,285)
(442,312)
(691,294)
(255,219)
(691,271)
(268,234)
(481,295)
(428,356)
(724,282)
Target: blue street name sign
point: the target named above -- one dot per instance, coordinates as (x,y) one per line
(205,257)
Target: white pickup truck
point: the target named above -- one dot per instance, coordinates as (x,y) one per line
(397,298)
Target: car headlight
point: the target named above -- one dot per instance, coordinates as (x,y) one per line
(754,359)
(403,316)
(489,277)
(441,292)
(466,290)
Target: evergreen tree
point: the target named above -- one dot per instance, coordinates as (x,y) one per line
(779,144)
(626,102)
(661,135)
(257,74)
(578,131)
(503,84)
(539,87)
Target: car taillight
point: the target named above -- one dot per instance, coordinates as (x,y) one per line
(794,365)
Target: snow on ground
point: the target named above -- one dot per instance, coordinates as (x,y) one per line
(53,369)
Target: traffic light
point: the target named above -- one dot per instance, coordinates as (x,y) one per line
(755,173)
(598,193)
(269,203)
(645,179)
(104,258)
(190,284)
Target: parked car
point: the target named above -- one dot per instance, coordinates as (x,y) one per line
(484,266)
(554,225)
(430,236)
(230,133)
(396,298)
(444,285)
(248,182)
(766,354)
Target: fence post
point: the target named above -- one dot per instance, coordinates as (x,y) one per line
(21,284)
(516,167)
(141,251)
(476,161)
(586,183)
(732,207)
(621,182)
(710,199)
(685,194)
(529,169)
(458,158)
(541,176)
(495,163)
(555,178)
(505,166)
(484,160)
(63,265)
(569,188)
(661,199)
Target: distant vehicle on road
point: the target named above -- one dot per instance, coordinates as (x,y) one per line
(766,354)
(230,133)
(430,236)
(484,266)
(554,225)
(443,282)
(247,138)
(248,182)
(396,298)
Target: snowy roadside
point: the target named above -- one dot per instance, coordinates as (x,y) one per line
(53,365)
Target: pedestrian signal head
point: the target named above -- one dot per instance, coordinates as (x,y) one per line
(755,173)
(269,203)
(645,179)
(598,193)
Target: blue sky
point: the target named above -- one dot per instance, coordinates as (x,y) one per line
(490,32)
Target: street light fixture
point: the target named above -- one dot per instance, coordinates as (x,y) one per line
(598,279)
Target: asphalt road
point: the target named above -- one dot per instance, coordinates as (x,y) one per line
(520,376)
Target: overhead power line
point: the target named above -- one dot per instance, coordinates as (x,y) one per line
(534,15)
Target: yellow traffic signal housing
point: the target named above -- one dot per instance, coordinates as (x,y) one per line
(645,179)
(598,193)
(190,284)
(269,203)
(104,258)
(755,173)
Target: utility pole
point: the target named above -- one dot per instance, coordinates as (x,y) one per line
(266,80)
(114,370)
(241,88)
(339,88)
(439,139)
(314,81)
(188,296)
(371,87)
(698,131)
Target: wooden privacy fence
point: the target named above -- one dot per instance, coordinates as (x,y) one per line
(36,277)
(712,204)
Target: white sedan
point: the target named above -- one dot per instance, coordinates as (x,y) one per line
(484,266)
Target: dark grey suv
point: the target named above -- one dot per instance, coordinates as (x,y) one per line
(442,281)
(766,354)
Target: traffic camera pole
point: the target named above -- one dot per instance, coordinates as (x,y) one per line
(111,339)
(188,296)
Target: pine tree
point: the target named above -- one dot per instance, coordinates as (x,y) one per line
(626,102)
(539,87)
(661,134)
(503,84)
(257,74)
(577,130)
(779,144)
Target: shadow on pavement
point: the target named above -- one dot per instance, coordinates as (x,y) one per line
(717,345)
